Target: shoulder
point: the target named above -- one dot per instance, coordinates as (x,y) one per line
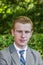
(4,51)
(37,56)
(35,53)
(5,56)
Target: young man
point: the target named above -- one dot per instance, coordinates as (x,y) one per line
(19,53)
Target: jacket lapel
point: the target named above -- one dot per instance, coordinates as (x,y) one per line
(29,58)
(14,56)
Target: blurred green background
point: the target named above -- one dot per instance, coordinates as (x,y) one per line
(10,9)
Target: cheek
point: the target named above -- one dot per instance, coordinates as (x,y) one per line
(29,36)
(16,37)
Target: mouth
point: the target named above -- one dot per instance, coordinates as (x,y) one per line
(22,40)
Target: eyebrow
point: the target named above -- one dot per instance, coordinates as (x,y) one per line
(25,30)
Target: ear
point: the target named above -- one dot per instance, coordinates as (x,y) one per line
(12,31)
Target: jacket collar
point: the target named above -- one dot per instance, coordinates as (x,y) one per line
(15,57)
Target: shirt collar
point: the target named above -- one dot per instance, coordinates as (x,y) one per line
(18,49)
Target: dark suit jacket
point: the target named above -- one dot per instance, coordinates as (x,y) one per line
(9,56)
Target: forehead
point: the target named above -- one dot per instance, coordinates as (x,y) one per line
(21,26)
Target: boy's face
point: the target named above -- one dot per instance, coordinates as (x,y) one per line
(22,33)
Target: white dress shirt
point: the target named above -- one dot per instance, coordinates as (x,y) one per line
(18,49)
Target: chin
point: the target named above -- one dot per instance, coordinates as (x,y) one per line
(23,44)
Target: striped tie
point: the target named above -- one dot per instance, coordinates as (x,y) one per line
(22,60)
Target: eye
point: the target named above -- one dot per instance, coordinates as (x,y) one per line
(27,31)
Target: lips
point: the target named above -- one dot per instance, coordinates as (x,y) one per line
(22,40)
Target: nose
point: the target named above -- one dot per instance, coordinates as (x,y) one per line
(23,34)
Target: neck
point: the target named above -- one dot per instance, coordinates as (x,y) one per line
(20,47)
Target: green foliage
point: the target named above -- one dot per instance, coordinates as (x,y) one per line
(5,40)
(10,9)
(36,42)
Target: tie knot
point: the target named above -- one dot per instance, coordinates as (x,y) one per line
(21,52)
